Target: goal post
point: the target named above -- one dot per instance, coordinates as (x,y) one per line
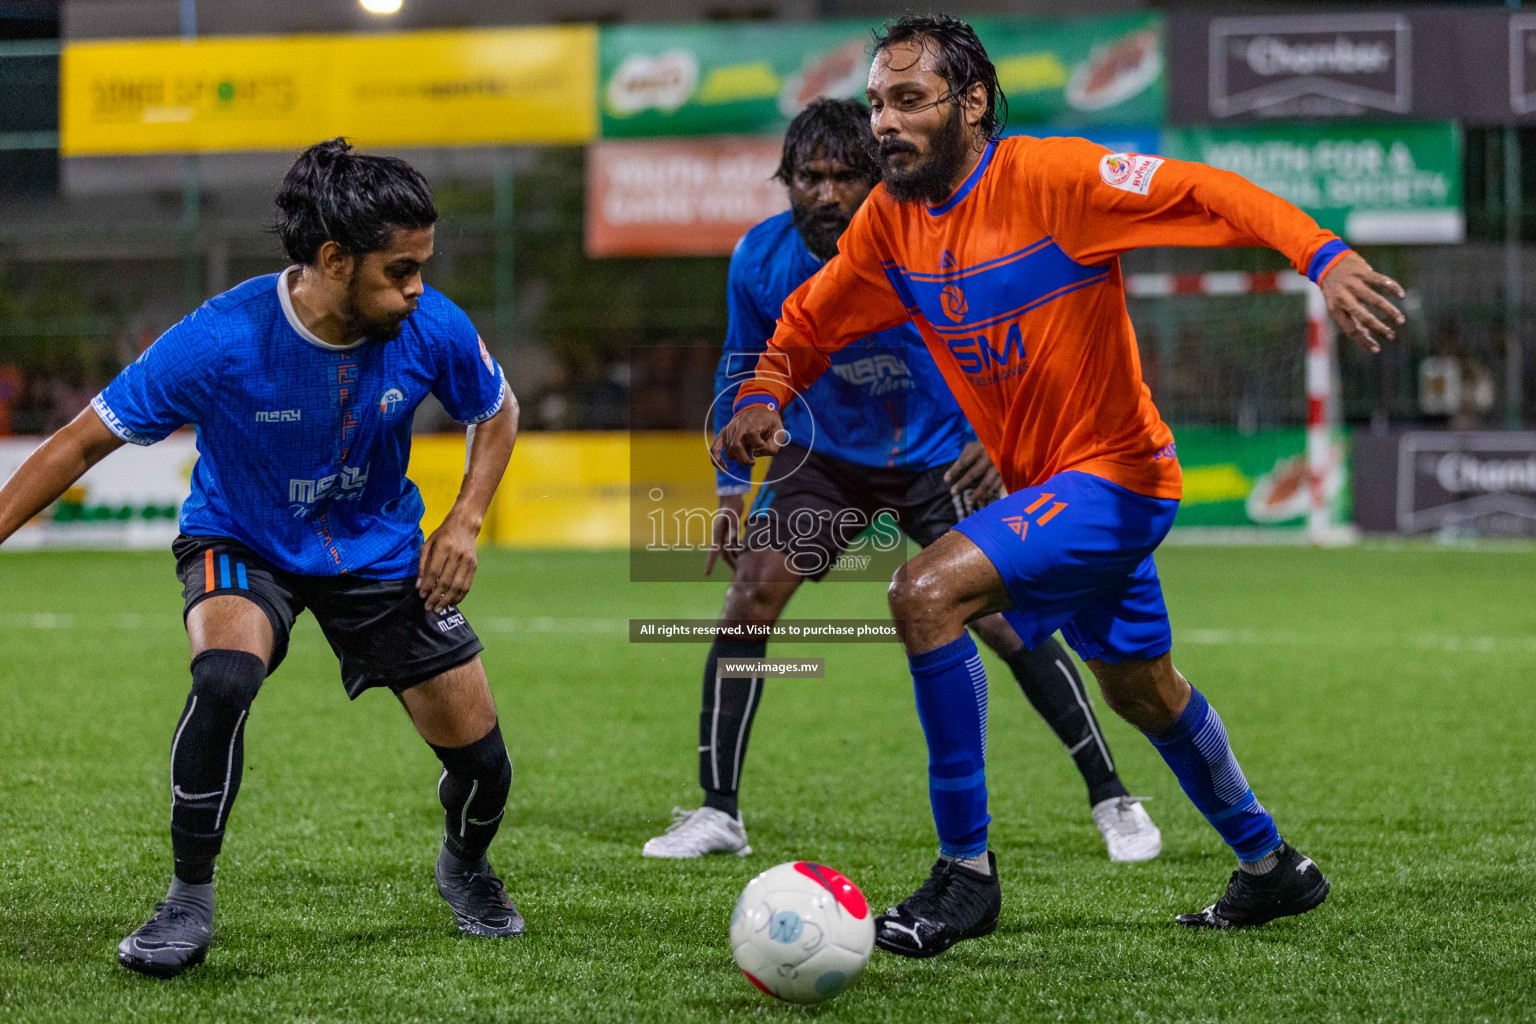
(1322,405)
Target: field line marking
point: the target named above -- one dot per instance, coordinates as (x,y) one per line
(1449,643)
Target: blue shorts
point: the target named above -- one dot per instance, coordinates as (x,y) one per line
(1076,555)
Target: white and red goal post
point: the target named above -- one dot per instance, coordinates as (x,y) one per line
(1322,399)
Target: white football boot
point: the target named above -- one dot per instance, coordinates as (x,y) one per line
(695,833)
(1127,829)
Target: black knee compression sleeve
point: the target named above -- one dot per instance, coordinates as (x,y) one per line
(207,755)
(473,791)
(725,723)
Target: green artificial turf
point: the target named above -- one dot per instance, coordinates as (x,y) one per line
(1381,702)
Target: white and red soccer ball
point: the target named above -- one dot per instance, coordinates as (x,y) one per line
(802,932)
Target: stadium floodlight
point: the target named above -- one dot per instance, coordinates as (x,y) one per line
(381,6)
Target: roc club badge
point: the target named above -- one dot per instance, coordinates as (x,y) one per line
(1129,172)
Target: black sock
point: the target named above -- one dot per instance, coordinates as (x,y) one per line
(208,755)
(725,723)
(1049,679)
(473,791)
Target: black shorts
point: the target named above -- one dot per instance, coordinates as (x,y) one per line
(816,511)
(380,629)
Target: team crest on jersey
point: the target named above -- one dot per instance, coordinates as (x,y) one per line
(485,356)
(1129,172)
(953,301)
(390,401)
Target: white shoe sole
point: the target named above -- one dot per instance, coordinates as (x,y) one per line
(693,856)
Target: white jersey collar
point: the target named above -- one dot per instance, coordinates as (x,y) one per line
(286,301)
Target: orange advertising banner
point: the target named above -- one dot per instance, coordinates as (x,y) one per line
(679,197)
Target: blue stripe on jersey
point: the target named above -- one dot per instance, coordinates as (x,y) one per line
(224,571)
(973,298)
(240,575)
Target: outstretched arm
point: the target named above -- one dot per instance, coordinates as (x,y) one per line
(448,558)
(48,472)
(1099,204)
(845,300)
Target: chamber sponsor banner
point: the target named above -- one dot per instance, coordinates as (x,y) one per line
(705,79)
(1449,483)
(1496,83)
(1368,183)
(1370,65)
(682,197)
(128,500)
(473,87)
(1257,479)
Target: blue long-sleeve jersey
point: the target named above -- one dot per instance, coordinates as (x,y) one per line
(883,403)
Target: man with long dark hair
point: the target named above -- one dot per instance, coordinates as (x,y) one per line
(879,435)
(302,387)
(1005,253)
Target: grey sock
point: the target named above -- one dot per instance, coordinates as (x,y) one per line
(978,863)
(197,898)
(1263,866)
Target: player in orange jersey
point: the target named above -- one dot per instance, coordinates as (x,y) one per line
(1004,253)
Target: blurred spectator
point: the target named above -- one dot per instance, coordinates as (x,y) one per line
(1454,384)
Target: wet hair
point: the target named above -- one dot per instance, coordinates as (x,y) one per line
(962,60)
(832,130)
(332,193)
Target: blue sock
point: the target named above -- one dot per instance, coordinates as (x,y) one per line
(951,688)
(1197,750)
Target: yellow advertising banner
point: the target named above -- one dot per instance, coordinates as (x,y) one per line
(472,87)
(577,489)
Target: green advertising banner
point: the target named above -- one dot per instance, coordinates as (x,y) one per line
(709,79)
(1077,72)
(1369,183)
(1255,479)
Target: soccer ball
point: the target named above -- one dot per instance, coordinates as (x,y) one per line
(802,932)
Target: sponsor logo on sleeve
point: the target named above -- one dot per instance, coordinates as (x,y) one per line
(485,356)
(1129,172)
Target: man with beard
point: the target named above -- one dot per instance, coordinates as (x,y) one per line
(1004,252)
(877,442)
(302,387)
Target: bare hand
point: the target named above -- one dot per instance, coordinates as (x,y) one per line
(1356,304)
(756,430)
(973,471)
(448,562)
(727,531)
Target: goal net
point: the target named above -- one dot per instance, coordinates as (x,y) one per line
(1243,367)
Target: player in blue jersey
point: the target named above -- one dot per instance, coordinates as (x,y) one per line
(302,387)
(879,436)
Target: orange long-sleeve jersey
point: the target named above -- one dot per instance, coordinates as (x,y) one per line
(1014,283)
